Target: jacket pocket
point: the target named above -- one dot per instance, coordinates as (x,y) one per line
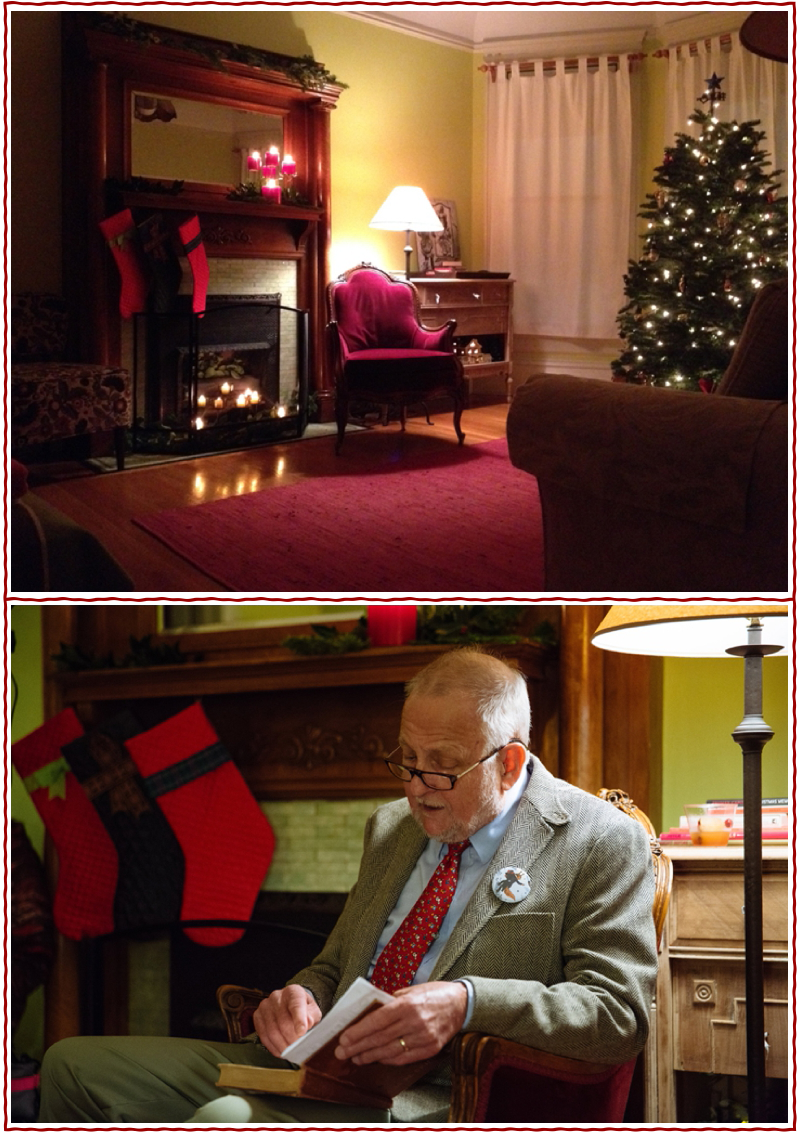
(515,945)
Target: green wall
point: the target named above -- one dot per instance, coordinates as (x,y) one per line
(703,704)
(26,668)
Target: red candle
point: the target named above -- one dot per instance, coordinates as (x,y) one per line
(271,192)
(253,160)
(391,626)
(289,166)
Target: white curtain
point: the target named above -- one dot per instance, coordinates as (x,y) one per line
(755,88)
(558,194)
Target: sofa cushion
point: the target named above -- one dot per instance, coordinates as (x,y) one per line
(759,367)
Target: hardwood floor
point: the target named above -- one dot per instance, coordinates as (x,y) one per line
(106,503)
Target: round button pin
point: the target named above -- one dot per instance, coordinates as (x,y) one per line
(511,884)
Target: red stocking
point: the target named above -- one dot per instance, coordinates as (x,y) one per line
(120,232)
(87,859)
(226,839)
(194,248)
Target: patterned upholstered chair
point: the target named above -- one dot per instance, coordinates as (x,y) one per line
(53,399)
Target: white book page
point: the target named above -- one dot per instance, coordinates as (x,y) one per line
(357,998)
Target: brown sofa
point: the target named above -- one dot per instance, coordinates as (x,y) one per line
(650,491)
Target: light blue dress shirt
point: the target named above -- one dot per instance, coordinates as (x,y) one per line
(474,861)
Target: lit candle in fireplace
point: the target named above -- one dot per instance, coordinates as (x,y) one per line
(217,403)
(271,191)
(201,399)
(254,396)
(226,388)
(198,423)
(241,400)
(281,412)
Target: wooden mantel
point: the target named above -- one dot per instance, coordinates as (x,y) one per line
(288,745)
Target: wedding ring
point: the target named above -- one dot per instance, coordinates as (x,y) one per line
(403,1044)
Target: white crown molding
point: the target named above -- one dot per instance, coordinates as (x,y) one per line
(463,32)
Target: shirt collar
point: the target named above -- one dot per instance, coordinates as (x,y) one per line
(486,840)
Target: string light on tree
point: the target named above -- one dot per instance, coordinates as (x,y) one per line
(717,231)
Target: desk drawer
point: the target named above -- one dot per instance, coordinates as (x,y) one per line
(707,908)
(475,321)
(462,293)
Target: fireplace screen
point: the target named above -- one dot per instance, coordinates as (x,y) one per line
(233,376)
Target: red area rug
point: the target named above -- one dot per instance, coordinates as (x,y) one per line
(463,520)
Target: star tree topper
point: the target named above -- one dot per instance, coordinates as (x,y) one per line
(714,94)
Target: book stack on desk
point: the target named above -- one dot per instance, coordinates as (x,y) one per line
(774,822)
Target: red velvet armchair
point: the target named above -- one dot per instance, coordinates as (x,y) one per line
(379,351)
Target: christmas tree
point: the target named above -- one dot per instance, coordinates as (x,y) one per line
(717,231)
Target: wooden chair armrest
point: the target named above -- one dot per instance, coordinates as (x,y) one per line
(476,1058)
(237,1005)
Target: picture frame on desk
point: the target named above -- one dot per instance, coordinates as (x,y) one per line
(434,249)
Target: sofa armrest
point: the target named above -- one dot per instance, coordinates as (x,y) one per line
(50,552)
(686,455)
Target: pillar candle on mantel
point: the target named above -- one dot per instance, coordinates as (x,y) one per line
(272,191)
(391,625)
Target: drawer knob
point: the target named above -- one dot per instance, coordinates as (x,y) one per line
(476,295)
(437,297)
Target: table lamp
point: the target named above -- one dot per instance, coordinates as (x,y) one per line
(709,631)
(408,210)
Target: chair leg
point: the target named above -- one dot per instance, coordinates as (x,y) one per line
(119,446)
(341,422)
(459,406)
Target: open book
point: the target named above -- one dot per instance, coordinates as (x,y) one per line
(321,1075)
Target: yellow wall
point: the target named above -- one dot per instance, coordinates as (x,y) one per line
(406,118)
(703,704)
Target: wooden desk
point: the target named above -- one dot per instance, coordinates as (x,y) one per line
(483,310)
(701,982)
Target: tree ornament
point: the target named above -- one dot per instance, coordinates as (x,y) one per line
(740,185)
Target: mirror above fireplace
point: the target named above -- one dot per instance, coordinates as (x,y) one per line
(193,140)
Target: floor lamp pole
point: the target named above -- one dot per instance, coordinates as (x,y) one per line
(752,735)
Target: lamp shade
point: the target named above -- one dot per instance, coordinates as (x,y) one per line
(767,34)
(407,209)
(689,631)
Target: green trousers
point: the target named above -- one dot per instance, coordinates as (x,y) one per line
(132,1079)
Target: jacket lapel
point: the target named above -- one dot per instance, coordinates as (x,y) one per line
(538,814)
(392,872)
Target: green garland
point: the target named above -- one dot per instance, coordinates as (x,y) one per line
(479,623)
(328,640)
(303,70)
(142,653)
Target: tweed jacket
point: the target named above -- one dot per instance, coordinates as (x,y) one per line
(570,969)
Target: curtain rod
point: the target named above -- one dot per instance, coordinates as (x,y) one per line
(693,46)
(529,65)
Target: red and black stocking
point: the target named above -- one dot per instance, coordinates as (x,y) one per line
(192,239)
(88,867)
(120,232)
(226,839)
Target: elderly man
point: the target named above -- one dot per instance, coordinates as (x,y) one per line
(543,931)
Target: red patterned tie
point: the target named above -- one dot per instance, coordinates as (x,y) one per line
(402,954)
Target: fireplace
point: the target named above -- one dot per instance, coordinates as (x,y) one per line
(236,375)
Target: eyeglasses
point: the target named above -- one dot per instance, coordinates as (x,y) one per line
(439,781)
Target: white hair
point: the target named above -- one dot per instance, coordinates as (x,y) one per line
(496,685)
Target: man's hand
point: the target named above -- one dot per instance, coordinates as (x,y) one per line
(425,1016)
(284,1016)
